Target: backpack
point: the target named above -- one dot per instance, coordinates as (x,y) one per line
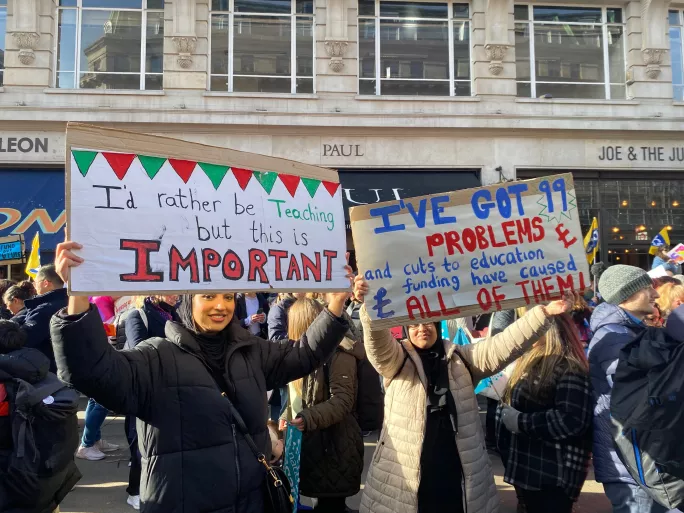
(647,413)
(120,325)
(40,469)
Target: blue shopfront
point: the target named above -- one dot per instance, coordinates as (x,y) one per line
(31,200)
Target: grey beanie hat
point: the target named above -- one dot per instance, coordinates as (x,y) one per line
(620,282)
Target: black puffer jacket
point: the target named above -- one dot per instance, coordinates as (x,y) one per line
(194,460)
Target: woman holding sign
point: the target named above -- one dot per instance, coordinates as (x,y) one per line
(187,391)
(432,439)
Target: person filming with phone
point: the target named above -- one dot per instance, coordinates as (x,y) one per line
(251,309)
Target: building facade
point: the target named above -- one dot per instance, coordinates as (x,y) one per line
(404,97)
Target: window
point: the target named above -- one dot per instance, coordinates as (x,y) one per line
(570,52)
(414,48)
(3,31)
(264,46)
(676,51)
(110,44)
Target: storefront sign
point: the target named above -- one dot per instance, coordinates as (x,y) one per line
(33,200)
(11,250)
(31,147)
(470,252)
(163,215)
(636,154)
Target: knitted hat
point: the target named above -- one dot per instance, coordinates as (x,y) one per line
(620,282)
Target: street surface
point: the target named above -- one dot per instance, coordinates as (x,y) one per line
(103,487)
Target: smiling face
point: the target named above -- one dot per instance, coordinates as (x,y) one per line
(212,312)
(423,336)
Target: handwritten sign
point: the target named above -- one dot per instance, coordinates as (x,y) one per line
(11,250)
(161,215)
(291,462)
(677,254)
(470,252)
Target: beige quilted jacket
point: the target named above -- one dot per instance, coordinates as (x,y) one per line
(394,475)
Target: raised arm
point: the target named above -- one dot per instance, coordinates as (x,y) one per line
(383,351)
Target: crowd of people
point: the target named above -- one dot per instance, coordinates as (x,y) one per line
(209,383)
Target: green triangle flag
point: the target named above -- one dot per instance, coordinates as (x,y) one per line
(311,185)
(267,179)
(152,165)
(214,172)
(83,160)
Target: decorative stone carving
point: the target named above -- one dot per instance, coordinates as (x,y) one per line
(27,43)
(185,46)
(495,55)
(335,50)
(653,57)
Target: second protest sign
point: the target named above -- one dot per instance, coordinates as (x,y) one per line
(161,215)
(470,252)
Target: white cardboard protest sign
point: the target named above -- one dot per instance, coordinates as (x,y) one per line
(469,252)
(162,215)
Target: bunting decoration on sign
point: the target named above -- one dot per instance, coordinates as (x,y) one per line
(216,173)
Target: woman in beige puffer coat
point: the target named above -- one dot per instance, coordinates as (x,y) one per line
(431,455)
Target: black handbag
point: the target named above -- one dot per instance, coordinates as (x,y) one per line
(277,487)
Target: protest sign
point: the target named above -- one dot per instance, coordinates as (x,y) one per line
(677,254)
(159,215)
(470,252)
(292,460)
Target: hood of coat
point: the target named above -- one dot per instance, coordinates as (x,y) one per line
(353,347)
(675,324)
(29,365)
(605,314)
(184,338)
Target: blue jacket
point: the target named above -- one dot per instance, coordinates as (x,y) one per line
(138,329)
(669,266)
(35,321)
(277,319)
(612,329)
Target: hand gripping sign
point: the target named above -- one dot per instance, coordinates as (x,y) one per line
(159,215)
(470,252)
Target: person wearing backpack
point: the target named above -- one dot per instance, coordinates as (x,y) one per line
(37,468)
(629,298)
(322,406)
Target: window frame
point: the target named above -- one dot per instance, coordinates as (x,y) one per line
(78,8)
(450,41)
(680,26)
(230,76)
(607,84)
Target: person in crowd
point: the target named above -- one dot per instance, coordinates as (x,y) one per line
(671,296)
(35,318)
(105,305)
(332,447)
(663,259)
(186,389)
(629,298)
(544,422)
(251,309)
(679,278)
(581,316)
(5,313)
(148,320)
(431,454)
(277,442)
(16,296)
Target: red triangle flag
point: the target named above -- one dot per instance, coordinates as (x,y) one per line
(183,168)
(242,176)
(290,182)
(331,187)
(119,162)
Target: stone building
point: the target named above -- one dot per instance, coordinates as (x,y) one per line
(404,97)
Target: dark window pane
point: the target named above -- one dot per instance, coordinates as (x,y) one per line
(305,85)
(413,10)
(461,49)
(414,88)
(109,81)
(673,18)
(114,4)
(616,55)
(618,92)
(220,25)
(367,87)
(596,92)
(366,7)
(521,13)
(522,51)
(304,7)
(2,77)
(304,47)
(265,6)
(111,41)
(154,82)
(524,90)
(462,88)
(62,3)
(261,85)
(461,11)
(614,15)
(220,5)
(66,81)
(367,48)
(411,49)
(568,53)
(218,84)
(567,14)
(154,51)
(676,55)
(3,31)
(261,45)
(66,41)
(155,4)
